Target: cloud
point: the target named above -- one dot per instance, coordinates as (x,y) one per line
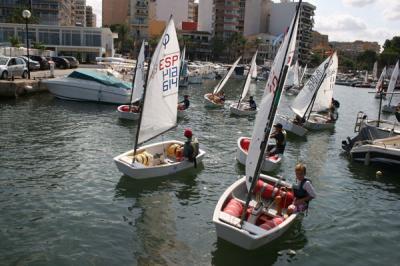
(350,28)
(392,12)
(97,8)
(358,3)
(340,23)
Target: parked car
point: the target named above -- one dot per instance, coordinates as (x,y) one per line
(72,61)
(42,61)
(33,65)
(60,62)
(12,66)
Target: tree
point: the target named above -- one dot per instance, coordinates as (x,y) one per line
(217,47)
(315,60)
(39,46)
(366,59)
(124,43)
(236,45)
(15,42)
(16,17)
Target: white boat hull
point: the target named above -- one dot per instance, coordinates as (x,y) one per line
(288,125)
(123,114)
(86,90)
(318,122)
(211,104)
(249,236)
(169,167)
(270,163)
(242,110)
(378,151)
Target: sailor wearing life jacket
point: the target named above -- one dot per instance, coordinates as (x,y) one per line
(303,191)
(279,135)
(191,146)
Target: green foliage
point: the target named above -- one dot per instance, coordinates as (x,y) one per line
(38,45)
(15,41)
(315,60)
(366,60)
(391,52)
(16,17)
(217,47)
(124,43)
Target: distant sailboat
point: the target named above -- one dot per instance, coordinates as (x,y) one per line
(241,108)
(389,108)
(375,71)
(379,85)
(131,111)
(212,99)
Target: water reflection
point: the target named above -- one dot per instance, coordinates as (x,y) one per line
(282,249)
(155,213)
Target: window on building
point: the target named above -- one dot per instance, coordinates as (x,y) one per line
(6,33)
(91,38)
(50,37)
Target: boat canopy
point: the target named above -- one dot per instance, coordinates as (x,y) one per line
(99,77)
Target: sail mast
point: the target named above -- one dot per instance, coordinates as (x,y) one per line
(135,77)
(141,110)
(248,79)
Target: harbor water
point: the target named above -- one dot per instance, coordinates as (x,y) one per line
(63,201)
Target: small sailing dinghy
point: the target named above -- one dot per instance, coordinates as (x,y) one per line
(389,108)
(247,214)
(292,84)
(212,99)
(131,111)
(379,91)
(241,108)
(315,96)
(158,115)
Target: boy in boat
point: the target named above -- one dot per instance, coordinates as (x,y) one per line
(183,105)
(303,191)
(191,146)
(252,104)
(219,97)
(280,137)
(298,120)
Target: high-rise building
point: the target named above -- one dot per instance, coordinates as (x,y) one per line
(226,18)
(115,12)
(191,10)
(90,17)
(48,12)
(196,12)
(256,19)
(205,17)
(280,18)
(148,18)
(79,13)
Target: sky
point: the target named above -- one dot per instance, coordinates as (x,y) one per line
(343,20)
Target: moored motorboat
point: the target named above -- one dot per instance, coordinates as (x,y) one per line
(90,85)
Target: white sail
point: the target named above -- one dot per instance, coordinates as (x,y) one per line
(249,76)
(305,96)
(254,72)
(290,77)
(379,84)
(161,96)
(138,84)
(219,87)
(393,81)
(325,92)
(296,80)
(262,117)
(302,74)
(375,71)
(366,77)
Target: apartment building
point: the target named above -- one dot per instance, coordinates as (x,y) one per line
(226,17)
(48,12)
(90,17)
(79,13)
(115,12)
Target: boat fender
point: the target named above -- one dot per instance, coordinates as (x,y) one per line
(234,208)
(144,158)
(245,144)
(175,151)
(268,225)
